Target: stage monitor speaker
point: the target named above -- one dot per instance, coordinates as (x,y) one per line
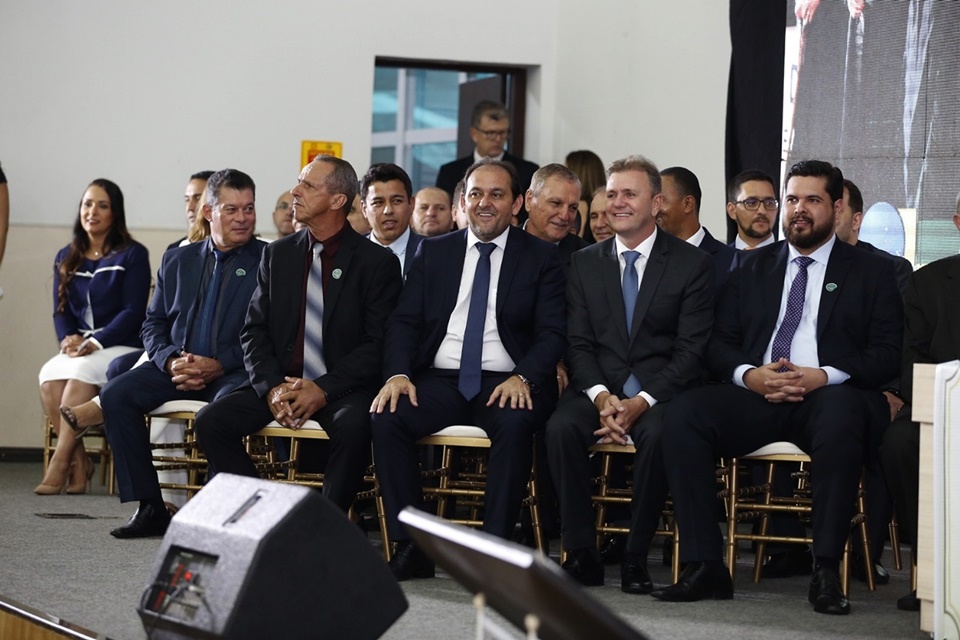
(248,558)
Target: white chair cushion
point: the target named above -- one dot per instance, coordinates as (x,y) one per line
(777,449)
(179,405)
(629,440)
(462,431)
(309,425)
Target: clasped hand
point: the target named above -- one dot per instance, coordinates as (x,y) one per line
(617,416)
(75,346)
(784,386)
(192,372)
(294,400)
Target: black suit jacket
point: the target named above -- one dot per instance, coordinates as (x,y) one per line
(165,331)
(356,307)
(567,247)
(413,241)
(671,322)
(452,172)
(724,257)
(859,323)
(932,320)
(902,266)
(529,305)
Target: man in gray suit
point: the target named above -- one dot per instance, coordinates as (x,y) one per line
(639,312)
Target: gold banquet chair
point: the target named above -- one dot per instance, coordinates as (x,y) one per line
(467,485)
(746,503)
(178,455)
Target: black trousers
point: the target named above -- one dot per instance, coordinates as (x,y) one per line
(124,400)
(900,460)
(831,424)
(568,436)
(222,425)
(441,405)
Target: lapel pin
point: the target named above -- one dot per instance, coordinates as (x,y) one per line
(241,273)
(337,273)
(831,287)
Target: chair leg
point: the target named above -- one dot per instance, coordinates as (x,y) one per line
(865,536)
(381,515)
(445,459)
(845,569)
(895,543)
(535,509)
(732,488)
(606,460)
(675,560)
(764,525)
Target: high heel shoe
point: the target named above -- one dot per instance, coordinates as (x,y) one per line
(70,416)
(80,487)
(45,488)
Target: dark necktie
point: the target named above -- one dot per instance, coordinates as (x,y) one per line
(313,362)
(202,343)
(471,357)
(791,317)
(631,287)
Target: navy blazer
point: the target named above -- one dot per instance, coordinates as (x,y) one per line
(529,307)
(116,286)
(671,321)
(859,323)
(176,298)
(356,303)
(724,257)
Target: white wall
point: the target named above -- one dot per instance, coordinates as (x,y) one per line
(145,94)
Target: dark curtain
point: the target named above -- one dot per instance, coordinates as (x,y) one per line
(755,89)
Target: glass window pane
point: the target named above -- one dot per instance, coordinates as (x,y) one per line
(434,97)
(385,81)
(423,161)
(383,154)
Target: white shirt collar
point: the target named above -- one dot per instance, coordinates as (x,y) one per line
(500,240)
(698,237)
(743,246)
(398,246)
(821,255)
(477,157)
(645,248)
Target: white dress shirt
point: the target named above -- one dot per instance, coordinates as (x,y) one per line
(495,357)
(743,246)
(803,348)
(398,246)
(645,248)
(698,237)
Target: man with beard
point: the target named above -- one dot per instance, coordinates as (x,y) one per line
(806,332)
(752,204)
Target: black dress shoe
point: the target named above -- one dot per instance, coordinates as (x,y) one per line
(699,580)
(613,549)
(149,521)
(909,602)
(634,577)
(584,566)
(409,561)
(880,573)
(796,562)
(826,594)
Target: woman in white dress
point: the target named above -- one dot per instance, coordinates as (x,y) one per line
(101,283)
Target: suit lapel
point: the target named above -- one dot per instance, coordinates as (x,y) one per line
(245,266)
(341,264)
(772,290)
(190,273)
(652,272)
(511,258)
(610,280)
(838,267)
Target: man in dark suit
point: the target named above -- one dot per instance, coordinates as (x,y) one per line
(752,204)
(475,339)
(552,201)
(679,216)
(386,197)
(489,130)
(806,332)
(313,338)
(931,336)
(192,335)
(639,311)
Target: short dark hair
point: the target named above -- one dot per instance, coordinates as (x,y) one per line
(747,176)
(506,166)
(227,178)
(490,108)
(687,184)
(384,172)
(457,192)
(856,198)
(820,169)
(343,179)
(639,163)
(202,175)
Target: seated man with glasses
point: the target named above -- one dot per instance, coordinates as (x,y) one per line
(752,204)
(489,130)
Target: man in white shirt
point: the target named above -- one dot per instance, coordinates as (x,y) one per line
(386,196)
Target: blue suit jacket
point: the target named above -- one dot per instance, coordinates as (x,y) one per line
(530,305)
(175,302)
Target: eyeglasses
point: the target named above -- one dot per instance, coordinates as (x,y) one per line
(752,204)
(493,134)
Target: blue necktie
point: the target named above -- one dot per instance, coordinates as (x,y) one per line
(314,365)
(791,317)
(201,343)
(471,357)
(631,287)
